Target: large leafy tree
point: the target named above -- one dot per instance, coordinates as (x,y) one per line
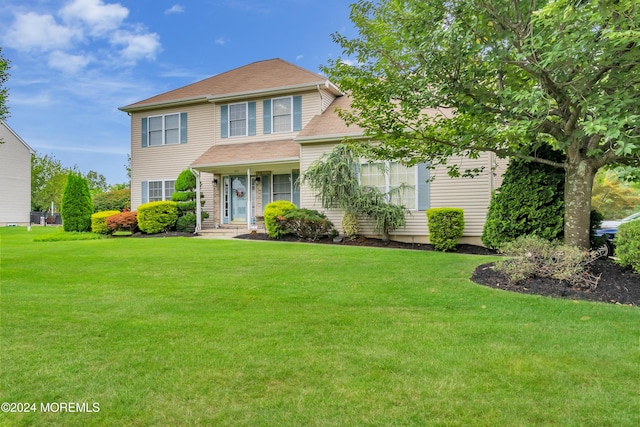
(48,179)
(433,78)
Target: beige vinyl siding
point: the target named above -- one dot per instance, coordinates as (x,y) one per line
(167,161)
(310,107)
(472,195)
(326,99)
(15,179)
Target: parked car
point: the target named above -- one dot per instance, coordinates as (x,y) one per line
(609,229)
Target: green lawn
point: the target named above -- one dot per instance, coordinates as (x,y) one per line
(179,331)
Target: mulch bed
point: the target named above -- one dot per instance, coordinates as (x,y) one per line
(617,285)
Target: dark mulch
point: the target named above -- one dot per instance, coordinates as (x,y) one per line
(364,241)
(618,285)
(166,234)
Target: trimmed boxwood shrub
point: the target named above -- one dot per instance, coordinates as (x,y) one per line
(77,206)
(627,244)
(157,217)
(124,221)
(99,221)
(185,197)
(273,210)
(446,226)
(305,223)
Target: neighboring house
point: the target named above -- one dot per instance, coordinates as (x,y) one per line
(250,132)
(15,178)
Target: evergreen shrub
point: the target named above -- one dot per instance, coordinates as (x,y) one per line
(76,207)
(627,243)
(157,217)
(446,226)
(273,210)
(530,201)
(305,223)
(99,221)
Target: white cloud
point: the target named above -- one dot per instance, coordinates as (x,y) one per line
(97,17)
(31,31)
(220,41)
(137,46)
(176,8)
(68,63)
(299,57)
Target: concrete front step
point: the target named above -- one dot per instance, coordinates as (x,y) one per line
(227,231)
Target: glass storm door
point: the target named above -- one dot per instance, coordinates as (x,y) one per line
(239,196)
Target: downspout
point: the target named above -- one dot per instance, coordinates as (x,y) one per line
(198,205)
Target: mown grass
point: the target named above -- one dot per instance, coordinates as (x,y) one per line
(184,331)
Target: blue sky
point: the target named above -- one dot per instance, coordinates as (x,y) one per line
(74,62)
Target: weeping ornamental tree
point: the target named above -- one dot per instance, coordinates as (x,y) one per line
(432,79)
(334,179)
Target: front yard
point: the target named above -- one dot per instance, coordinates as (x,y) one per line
(185,331)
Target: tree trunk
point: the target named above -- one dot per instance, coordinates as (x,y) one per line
(577,202)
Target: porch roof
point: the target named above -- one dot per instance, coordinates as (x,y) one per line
(263,152)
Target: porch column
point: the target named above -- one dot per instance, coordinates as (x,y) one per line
(198,205)
(248,198)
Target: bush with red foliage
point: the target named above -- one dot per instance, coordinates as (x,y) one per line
(124,221)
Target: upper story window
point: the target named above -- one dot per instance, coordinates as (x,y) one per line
(238,119)
(282,114)
(167,129)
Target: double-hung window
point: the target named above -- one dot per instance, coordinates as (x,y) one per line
(396,181)
(238,119)
(164,130)
(157,191)
(282,114)
(167,129)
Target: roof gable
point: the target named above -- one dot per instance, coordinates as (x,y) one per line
(255,77)
(12,132)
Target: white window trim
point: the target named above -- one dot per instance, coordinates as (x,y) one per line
(164,189)
(246,120)
(387,179)
(164,129)
(290,115)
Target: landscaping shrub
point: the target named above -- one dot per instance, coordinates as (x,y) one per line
(305,223)
(529,201)
(350,225)
(124,221)
(533,256)
(118,200)
(446,226)
(77,206)
(186,223)
(185,197)
(273,210)
(99,221)
(157,217)
(627,243)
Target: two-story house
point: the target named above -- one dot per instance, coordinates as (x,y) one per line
(250,132)
(15,177)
